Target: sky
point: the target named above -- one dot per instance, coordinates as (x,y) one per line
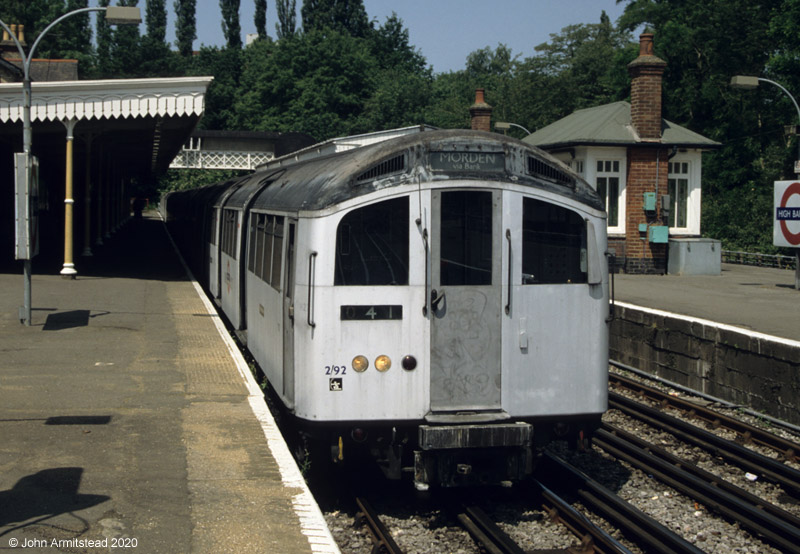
(444,31)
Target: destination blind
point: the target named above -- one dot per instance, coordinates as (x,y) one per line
(481,162)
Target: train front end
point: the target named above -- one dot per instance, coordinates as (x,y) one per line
(455,316)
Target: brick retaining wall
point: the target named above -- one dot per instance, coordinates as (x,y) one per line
(742,367)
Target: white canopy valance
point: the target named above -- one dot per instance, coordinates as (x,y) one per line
(106,99)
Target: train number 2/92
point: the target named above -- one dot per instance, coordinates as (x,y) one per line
(335,370)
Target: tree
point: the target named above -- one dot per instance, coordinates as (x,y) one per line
(260,19)
(316,83)
(225,64)
(104,40)
(156,19)
(345,16)
(287,18)
(185,25)
(230,23)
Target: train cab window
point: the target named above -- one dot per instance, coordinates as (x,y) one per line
(372,245)
(466,238)
(553,244)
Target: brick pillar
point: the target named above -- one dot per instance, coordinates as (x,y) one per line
(481,113)
(647,172)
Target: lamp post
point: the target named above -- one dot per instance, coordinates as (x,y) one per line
(505,126)
(746,82)
(115,15)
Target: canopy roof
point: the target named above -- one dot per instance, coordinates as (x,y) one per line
(145,121)
(610,125)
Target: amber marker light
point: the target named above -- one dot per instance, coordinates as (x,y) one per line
(360,363)
(383,363)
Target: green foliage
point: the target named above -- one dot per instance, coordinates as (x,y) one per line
(344,16)
(260,19)
(185,25)
(183,179)
(156,20)
(225,64)
(231,27)
(286,27)
(315,83)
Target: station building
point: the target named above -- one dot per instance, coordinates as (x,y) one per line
(647,169)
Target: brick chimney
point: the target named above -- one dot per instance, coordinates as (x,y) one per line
(481,113)
(8,48)
(646,73)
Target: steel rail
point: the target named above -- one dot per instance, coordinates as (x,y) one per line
(773,470)
(593,538)
(485,531)
(631,520)
(380,534)
(789,451)
(778,528)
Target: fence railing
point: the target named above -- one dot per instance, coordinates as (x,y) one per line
(762,260)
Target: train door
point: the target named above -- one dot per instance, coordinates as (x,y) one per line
(288,312)
(466,300)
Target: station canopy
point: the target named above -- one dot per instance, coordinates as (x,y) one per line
(143,121)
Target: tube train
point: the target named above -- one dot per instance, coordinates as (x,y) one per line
(437,301)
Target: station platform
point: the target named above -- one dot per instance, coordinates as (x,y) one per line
(756,299)
(130,422)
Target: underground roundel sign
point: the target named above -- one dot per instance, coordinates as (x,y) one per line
(786,228)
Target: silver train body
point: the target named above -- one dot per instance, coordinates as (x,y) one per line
(437,301)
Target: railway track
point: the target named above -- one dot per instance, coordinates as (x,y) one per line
(723,500)
(758,464)
(645,531)
(746,433)
(773,524)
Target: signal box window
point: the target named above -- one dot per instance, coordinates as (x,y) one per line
(372,245)
(608,173)
(678,186)
(553,244)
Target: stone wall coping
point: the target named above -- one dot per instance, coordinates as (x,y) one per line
(715,324)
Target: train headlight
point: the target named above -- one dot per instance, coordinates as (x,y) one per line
(409,363)
(360,363)
(383,363)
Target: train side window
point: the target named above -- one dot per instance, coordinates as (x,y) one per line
(553,244)
(266,247)
(229,232)
(277,253)
(212,230)
(372,245)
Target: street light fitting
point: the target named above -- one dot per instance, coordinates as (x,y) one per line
(123,15)
(744,82)
(505,126)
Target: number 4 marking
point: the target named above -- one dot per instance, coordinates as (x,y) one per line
(371,312)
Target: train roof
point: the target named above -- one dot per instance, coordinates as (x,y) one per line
(320,183)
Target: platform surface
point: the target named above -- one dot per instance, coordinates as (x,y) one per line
(757,299)
(126,424)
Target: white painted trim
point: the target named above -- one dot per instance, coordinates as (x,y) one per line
(109,98)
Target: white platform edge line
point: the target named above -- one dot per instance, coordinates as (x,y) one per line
(708,322)
(312,522)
